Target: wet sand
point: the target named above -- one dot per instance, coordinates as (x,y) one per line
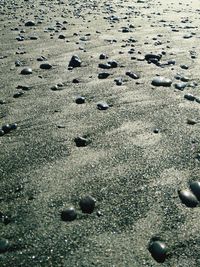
(141,150)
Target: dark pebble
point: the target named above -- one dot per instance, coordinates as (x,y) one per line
(81,141)
(1,132)
(13,126)
(195,188)
(189,97)
(6,128)
(75,80)
(18,94)
(4,245)
(103,75)
(191,122)
(74,62)
(102,106)
(133,75)
(158,251)
(105,66)
(151,56)
(80,100)
(188,198)
(161,81)
(69,214)
(26,71)
(30,23)
(180,86)
(45,66)
(103,56)
(87,204)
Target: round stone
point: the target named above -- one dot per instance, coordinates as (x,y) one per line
(74,62)
(30,23)
(195,188)
(1,132)
(6,128)
(158,251)
(69,214)
(26,71)
(103,75)
(45,66)
(13,126)
(161,81)
(87,204)
(81,141)
(188,198)
(102,106)
(4,245)
(80,100)
(133,75)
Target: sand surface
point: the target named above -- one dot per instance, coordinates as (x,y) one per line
(133,172)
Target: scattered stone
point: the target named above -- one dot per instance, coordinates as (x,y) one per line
(151,56)
(102,106)
(18,94)
(180,86)
(87,204)
(103,75)
(195,188)
(189,97)
(158,250)
(133,75)
(188,198)
(81,141)
(119,81)
(74,62)
(161,81)
(4,245)
(69,214)
(26,71)
(30,23)
(45,66)
(191,122)
(103,56)
(6,128)
(80,100)
(2,132)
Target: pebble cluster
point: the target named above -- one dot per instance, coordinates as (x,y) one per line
(126,64)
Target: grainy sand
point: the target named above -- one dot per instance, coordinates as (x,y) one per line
(132,172)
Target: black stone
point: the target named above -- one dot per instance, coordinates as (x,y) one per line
(105,66)
(133,75)
(103,75)
(13,126)
(103,56)
(74,62)
(1,132)
(45,66)
(6,128)
(87,204)
(151,56)
(18,94)
(188,198)
(102,106)
(69,214)
(81,141)
(180,86)
(189,97)
(4,245)
(26,71)
(80,100)
(158,251)
(30,23)
(161,81)
(195,188)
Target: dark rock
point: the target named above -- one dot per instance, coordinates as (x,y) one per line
(195,188)
(133,75)
(74,62)
(69,214)
(189,97)
(6,128)
(87,204)
(80,100)
(30,23)
(119,81)
(18,94)
(158,251)
(105,66)
(103,56)
(161,81)
(184,67)
(191,122)
(26,71)
(102,106)
(13,126)
(180,86)
(113,63)
(4,245)
(81,141)
(188,198)
(103,75)
(151,56)
(45,66)
(2,132)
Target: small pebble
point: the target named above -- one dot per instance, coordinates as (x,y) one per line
(81,141)
(69,214)
(87,204)
(4,245)
(195,188)
(158,251)
(26,71)
(75,62)
(103,75)
(80,100)
(161,81)
(188,198)
(45,66)
(102,106)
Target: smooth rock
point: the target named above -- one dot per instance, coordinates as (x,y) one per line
(30,23)
(161,81)
(158,250)
(188,198)
(80,100)
(69,214)
(87,204)
(75,62)
(4,245)
(133,75)
(45,66)
(26,71)
(102,106)
(103,75)
(195,188)
(81,141)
